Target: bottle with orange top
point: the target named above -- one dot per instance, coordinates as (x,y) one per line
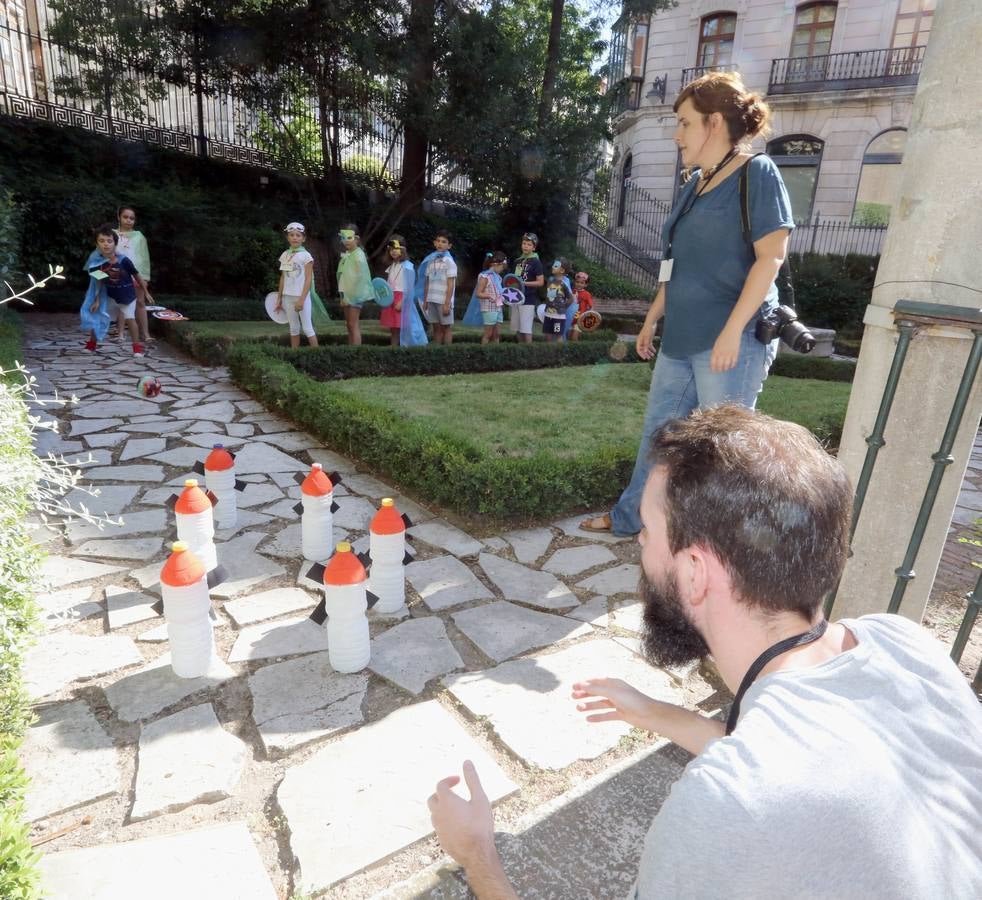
(346,600)
(187,608)
(317,508)
(219,471)
(387,546)
(195,522)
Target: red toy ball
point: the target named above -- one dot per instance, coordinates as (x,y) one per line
(148,386)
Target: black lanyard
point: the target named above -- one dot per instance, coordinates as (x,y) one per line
(780,647)
(695,195)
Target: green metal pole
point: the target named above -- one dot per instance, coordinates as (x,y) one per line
(942,459)
(971,614)
(875,441)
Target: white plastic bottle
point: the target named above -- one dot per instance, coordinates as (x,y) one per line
(387,547)
(220,480)
(187,606)
(346,602)
(196,523)
(317,519)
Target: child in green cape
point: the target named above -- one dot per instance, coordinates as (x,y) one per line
(354,281)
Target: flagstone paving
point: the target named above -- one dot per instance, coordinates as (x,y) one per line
(301,776)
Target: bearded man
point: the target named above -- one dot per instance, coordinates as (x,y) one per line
(850,765)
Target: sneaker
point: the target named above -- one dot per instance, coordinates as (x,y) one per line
(90,345)
(138,351)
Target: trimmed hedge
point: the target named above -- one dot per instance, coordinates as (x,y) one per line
(446,469)
(817,367)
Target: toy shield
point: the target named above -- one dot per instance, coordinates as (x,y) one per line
(277,315)
(540,312)
(512,296)
(511,280)
(383,293)
(170,315)
(589,321)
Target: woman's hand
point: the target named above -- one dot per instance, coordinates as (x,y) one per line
(645,342)
(726,351)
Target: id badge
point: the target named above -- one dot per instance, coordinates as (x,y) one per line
(665,270)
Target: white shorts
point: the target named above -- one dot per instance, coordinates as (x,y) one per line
(298,319)
(128,311)
(521,318)
(435,316)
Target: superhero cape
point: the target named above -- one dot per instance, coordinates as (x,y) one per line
(421,274)
(355,278)
(318,313)
(473,314)
(99,320)
(134,245)
(412,331)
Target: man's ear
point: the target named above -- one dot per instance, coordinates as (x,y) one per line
(695,574)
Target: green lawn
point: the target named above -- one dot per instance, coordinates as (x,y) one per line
(580,408)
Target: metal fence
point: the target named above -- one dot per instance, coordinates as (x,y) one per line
(889,67)
(613,257)
(836,237)
(41,78)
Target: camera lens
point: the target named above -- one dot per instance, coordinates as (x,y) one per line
(798,337)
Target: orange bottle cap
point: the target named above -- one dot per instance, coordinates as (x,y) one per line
(219,459)
(193,500)
(344,568)
(317,484)
(182,568)
(387,520)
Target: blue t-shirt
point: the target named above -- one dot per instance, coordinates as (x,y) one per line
(119,283)
(712,259)
(530,269)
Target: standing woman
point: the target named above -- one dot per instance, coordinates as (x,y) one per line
(713,289)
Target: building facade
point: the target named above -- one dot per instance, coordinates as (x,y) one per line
(839,77)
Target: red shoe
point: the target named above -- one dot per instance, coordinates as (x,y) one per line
(138,351)
(90,345)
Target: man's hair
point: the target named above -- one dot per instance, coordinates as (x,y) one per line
(106,230)
(444,234)
(764,497)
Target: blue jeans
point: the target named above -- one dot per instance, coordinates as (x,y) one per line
(679,386)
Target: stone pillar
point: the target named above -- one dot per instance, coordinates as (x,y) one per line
(933,249)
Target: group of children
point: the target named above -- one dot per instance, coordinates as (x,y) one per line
(119,287)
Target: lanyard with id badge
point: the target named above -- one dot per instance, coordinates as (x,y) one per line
(667,264)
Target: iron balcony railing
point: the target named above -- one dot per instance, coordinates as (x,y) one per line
(892,67)
(698,71)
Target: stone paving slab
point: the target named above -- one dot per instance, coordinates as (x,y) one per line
(618,580)
(303,699)
(445,536)
(354,513)
(283,510)
(285,542)
(594,612)
(245,567)
(151,521)
(629,616)
(137,548)
(257,495)
(144,473)
(573,560)
(62,607)
(255,456)
(445,581)
(185,758)
(60,571)
(571,527)
(527,700)
(379,776)
(240,429)
(502,629)
(70,760)
(110,408)
(412,653)
(111,499)
(124,607)
(60,658)
(87,426)
(217,863)
(137,448)
(269,605)
(207,439)
(156,427)
(220,411)
(144,693)
(110,439)
(291,441)
(529,543)
(518,582)
(288,637)
(90,458)
(184,457)
(331,461)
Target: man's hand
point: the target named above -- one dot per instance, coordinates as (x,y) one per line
(621,702)
(465,828)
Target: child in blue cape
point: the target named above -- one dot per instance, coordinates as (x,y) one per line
(435,287)
(402,318)
(113,280)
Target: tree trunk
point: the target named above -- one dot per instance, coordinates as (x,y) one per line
(421,35)
(552,63)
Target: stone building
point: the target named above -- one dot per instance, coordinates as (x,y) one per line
(839,77)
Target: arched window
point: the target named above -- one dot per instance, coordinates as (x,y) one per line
(625,184)
(716,34)
(879,181)
(798,156)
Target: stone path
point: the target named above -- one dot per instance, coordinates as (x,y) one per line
(273,769)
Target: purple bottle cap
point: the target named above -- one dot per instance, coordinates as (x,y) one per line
(217,446)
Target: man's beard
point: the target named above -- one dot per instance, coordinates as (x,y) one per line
(668,637)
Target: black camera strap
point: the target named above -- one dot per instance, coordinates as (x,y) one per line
(697,192)
(785,286)
(776,650)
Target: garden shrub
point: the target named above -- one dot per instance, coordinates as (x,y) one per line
(817,367)
(447,469)
(833,291)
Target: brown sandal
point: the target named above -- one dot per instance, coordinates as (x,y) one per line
(589,524)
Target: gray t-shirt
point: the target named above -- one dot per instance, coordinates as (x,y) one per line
(857,778)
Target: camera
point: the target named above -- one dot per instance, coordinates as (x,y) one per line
(783,323)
